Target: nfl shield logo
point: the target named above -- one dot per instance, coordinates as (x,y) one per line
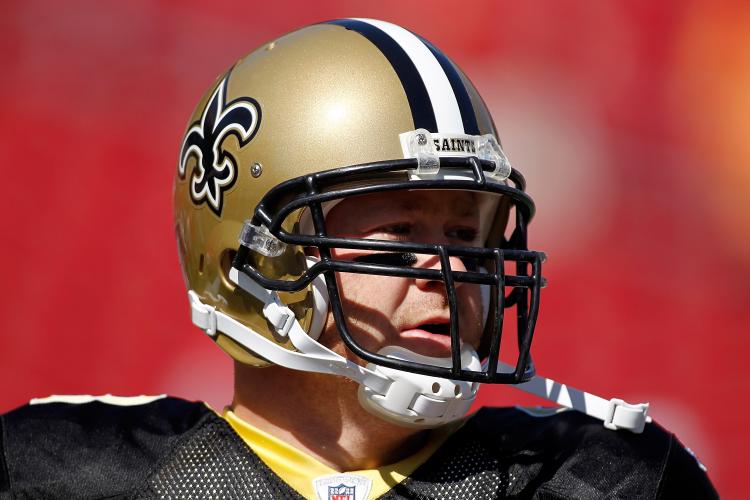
(342,487)
(341,492)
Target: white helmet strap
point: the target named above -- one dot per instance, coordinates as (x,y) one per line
(320,301)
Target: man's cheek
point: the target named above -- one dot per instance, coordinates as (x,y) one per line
(472,314)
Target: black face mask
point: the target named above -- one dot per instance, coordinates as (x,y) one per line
(403,259)
(406,259)
(519,288)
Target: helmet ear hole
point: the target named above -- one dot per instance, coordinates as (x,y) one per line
(225,265)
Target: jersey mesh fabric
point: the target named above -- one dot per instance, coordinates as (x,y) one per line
(176,449)
(216,463)
(470,472)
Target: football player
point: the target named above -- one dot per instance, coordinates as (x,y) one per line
(353,235)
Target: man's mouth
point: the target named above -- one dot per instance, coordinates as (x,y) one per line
(428,339)
(436,328)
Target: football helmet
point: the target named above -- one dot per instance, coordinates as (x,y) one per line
(331,111)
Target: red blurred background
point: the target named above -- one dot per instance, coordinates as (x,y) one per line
(629,121)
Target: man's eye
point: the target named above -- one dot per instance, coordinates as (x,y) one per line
(397,228)
(393,231)
(463,234)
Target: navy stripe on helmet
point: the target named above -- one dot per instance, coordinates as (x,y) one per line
(422,112)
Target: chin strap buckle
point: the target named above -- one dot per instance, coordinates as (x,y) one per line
(281,317)
(203,315)
(622,415)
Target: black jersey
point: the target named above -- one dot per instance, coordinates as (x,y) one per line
(170,448)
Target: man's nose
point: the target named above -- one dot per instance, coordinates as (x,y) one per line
(433,262)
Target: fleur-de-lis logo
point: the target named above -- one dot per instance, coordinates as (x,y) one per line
(216,169)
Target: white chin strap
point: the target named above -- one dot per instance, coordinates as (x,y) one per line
(401,397)
(416,400)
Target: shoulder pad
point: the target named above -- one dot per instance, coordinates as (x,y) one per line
(91,445)
(104,398)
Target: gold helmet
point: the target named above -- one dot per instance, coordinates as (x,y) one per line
(332,110)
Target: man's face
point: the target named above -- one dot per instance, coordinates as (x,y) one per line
(406,312)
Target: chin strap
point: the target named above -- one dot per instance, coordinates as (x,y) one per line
(615,413)
(398,396)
